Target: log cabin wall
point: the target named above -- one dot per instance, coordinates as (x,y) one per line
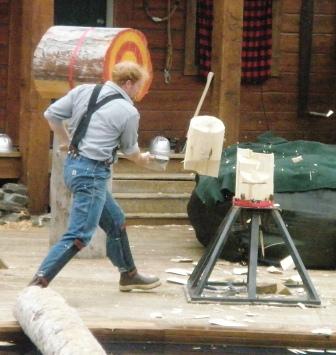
(273,105)
(167,108)
(4,24)
(10,32)
(22,24)
(16,49)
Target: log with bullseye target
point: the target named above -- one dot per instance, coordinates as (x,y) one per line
(68,56)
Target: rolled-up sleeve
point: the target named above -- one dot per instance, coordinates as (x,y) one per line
(60,109)
(129,136)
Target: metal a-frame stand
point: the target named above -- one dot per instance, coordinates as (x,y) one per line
(198,280)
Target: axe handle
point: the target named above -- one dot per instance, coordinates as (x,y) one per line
(200,103)
(205,91)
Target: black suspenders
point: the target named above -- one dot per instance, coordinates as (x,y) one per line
(85,119)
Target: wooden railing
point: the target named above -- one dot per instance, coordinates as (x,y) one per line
(10,165)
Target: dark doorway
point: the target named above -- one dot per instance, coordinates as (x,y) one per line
(91,13)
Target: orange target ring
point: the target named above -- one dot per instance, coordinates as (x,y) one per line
(129,45)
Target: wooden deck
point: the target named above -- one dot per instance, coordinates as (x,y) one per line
(161,315)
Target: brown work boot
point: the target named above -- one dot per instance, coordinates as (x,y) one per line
(132,280)
(39,281)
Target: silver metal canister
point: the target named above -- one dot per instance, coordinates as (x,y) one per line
(160,149)
(6,145)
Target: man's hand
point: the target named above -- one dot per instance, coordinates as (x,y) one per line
(140,158)
(63,147)
(146,158)
(62,150)
(61,134)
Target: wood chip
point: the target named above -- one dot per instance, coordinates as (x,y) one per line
(178,271)
(274,270)
(3,265)
(176,280)
(297,159)
(240,270)
(182,260)
(315,350)
(226,323)
(287,263)
(297,351)
(156,315)
(322,331)
(201,316)
(294,280)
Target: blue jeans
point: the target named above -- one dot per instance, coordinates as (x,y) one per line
(92,205)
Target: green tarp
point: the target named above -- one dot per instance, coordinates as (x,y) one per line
(316,170)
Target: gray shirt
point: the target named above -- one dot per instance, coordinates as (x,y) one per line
(115,123)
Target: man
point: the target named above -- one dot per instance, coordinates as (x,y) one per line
(87,172)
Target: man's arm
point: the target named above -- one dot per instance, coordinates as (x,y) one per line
(140,158)
(60,132)
(56,113)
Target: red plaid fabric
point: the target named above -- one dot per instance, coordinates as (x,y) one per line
(257,41)
(204,34)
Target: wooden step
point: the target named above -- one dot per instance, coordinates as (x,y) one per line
(154,176)
(156,218)
(10,165)
(151,197)
(153,202)
(175,165)
(144,185)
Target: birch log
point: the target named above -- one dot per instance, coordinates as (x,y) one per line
(204,145)
(60,202)
(68,56)
(52,325)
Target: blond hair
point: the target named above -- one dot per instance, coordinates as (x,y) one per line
(127,70)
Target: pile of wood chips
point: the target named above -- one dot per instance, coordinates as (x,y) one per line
(24,225)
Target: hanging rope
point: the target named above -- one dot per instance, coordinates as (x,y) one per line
(161,19)
(169,53)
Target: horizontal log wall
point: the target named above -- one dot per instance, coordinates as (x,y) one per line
(167,108)
(4,26)
(273,106)
(10,59)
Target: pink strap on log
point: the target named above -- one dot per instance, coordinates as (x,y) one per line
(74,56)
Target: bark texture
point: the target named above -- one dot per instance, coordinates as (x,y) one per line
(68,56)
(52,325)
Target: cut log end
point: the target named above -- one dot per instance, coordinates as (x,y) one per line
(68,56)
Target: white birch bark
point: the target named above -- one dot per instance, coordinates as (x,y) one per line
(67,56)
(63,50)
(52,325)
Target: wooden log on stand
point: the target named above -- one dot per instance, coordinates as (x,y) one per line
(204,145)
(52,325)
